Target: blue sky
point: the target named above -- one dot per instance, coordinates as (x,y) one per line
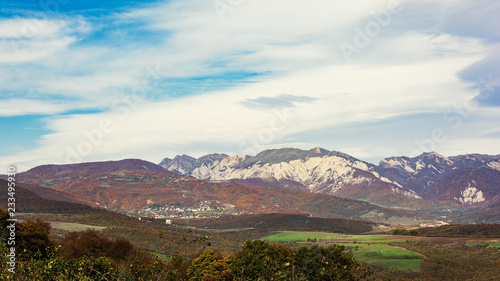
(107,80)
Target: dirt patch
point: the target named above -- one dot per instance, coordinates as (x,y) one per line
(379,230)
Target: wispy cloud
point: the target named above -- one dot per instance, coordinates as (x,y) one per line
(280,101)
(173,78)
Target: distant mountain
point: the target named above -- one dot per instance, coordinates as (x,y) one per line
(281,222)
(183,163)
(55,171)
(143,233)
(135,185)
(466,180)
(288,180)
(317,170)
(415,173)
(485,214)
(429,181)
(29,201)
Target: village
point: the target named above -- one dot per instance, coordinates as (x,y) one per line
(202,209)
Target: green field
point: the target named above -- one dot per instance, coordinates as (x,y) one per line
(371,249)
(385,256)
(69,226)
(494,244)
(162,256)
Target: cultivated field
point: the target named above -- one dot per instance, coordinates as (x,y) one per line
(69,226)
(375,249)
(385,256)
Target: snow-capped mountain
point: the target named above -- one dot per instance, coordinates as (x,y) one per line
(184,164)
(416,173)
(467,180)
(317,170)
(418,182)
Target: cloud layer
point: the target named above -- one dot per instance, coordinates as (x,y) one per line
(151,81)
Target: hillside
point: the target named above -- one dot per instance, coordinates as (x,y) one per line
(466,180)
(454,230)
(484,214)
(55,173)
(317,170)
(281,222)
(150,235)
(462,230)
(429,182)
(142,191)
(29,202)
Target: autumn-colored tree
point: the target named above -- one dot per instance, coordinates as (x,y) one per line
(32,240)
(209,265)
(94,244)
(120,249)
(259,259)
(4,216)
(85,243)
(175,269)
(325,263)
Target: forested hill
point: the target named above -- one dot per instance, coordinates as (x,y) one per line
(282,222)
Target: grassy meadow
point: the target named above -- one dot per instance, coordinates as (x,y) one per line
(370,249)
(70,226)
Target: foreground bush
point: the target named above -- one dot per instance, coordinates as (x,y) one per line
(87,255)
(209,265)
(260,260)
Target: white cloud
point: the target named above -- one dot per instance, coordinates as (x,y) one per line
(402,71)
(31,28)
(372,93)
(30,39)
(31,50)
(16,107)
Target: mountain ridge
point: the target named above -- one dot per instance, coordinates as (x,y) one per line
(138,191)
(279,180)
(401,182)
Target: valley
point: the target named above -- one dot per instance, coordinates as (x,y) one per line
(135,187)
(393,218)
(426,190)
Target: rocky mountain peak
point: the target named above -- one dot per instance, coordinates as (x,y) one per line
(494,164)
(395,180)
(212,157)
(438,158)
(320,150)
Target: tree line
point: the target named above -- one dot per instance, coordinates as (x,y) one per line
(454,230)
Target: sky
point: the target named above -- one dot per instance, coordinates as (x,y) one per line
(85,81)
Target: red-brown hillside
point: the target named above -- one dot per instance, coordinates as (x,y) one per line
(135,184)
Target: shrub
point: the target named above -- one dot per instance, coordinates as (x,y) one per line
(209,265)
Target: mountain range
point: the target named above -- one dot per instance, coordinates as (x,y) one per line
(137,187)
(426,181)
(317,182)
